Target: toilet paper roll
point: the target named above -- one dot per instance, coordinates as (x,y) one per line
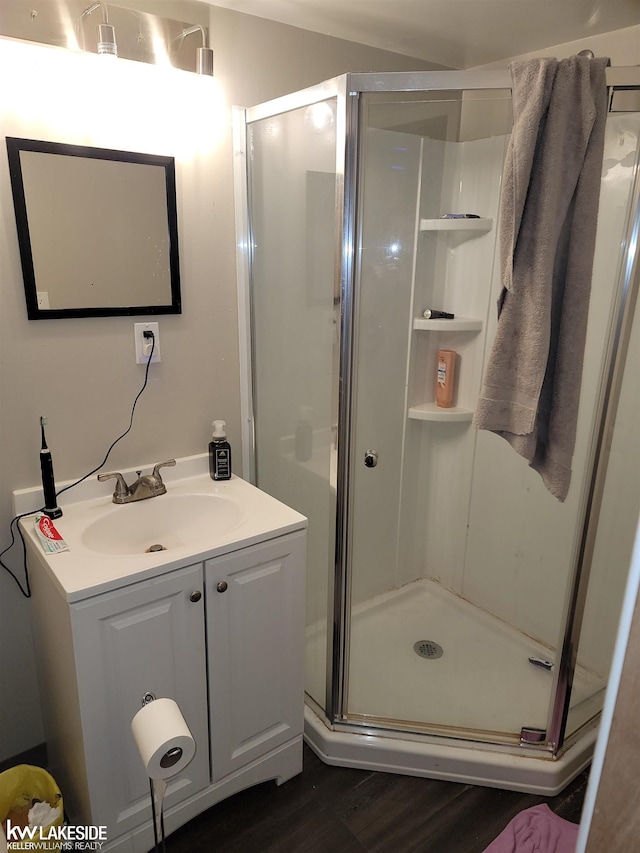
(163,738)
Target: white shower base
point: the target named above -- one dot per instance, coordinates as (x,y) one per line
(483,682)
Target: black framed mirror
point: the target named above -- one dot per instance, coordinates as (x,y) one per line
(97,230)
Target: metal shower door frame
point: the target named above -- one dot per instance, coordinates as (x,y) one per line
(359,84)
(616,346)
(346,126)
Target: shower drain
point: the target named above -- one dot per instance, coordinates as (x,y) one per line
(428,649)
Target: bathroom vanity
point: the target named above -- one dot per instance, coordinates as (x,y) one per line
(214,621)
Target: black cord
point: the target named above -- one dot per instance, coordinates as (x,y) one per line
(126,432)
(27,587)
(27,593)
(163,847)
(153,816)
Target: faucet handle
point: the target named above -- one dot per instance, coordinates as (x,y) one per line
(170,463)
(121,490)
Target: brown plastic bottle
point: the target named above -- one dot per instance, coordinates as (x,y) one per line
(445,377)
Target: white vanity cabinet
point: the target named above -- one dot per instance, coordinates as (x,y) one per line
(148,637)
(221,632)
(255,629)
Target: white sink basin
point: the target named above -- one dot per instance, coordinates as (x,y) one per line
(161,524)
(196,520)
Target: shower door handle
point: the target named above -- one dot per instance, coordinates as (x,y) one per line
(370,458)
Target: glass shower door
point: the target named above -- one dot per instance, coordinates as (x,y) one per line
(459,558)
(295,312)
(618,513)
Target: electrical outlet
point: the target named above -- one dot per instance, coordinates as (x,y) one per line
(143,344)
(43,300)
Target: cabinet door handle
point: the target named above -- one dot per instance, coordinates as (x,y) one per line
(196,595)
(222,586)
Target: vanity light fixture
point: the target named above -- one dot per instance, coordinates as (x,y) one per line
(204,60)
(107,45)
(204,54)
(107,40)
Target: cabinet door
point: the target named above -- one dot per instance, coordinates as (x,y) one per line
(255,624)
(145,637)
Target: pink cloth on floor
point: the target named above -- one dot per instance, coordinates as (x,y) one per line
(536,830)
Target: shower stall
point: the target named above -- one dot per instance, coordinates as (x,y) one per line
(459,619)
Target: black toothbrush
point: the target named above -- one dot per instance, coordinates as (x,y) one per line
(51,508)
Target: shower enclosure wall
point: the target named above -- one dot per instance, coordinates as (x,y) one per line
(446,589)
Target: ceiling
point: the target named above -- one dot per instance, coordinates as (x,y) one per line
(455,33)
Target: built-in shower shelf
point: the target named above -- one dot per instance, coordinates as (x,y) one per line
(433,412)
(458,324)
(481,224)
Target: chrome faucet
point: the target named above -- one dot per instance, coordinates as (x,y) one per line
(149,486)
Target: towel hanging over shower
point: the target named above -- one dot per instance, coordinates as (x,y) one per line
(547,229)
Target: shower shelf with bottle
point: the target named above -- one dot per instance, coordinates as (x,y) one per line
(478,224)
(464,228)
(458,324)
(431,411)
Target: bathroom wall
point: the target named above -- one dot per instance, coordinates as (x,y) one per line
(82,374)
(621,46)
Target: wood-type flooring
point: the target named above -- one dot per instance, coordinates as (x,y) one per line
(342,810)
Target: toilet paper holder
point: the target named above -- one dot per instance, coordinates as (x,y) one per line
(171,756)
(166,747)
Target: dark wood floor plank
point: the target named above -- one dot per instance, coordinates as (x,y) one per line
(311,832)
(473,820)
(388,823)
(329,809)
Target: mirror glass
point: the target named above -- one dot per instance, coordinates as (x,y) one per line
(97,230)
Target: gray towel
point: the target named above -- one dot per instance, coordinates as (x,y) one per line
(547,229)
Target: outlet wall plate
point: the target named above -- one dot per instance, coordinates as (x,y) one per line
(141,342)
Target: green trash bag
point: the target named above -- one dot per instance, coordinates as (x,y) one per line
(20,788)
